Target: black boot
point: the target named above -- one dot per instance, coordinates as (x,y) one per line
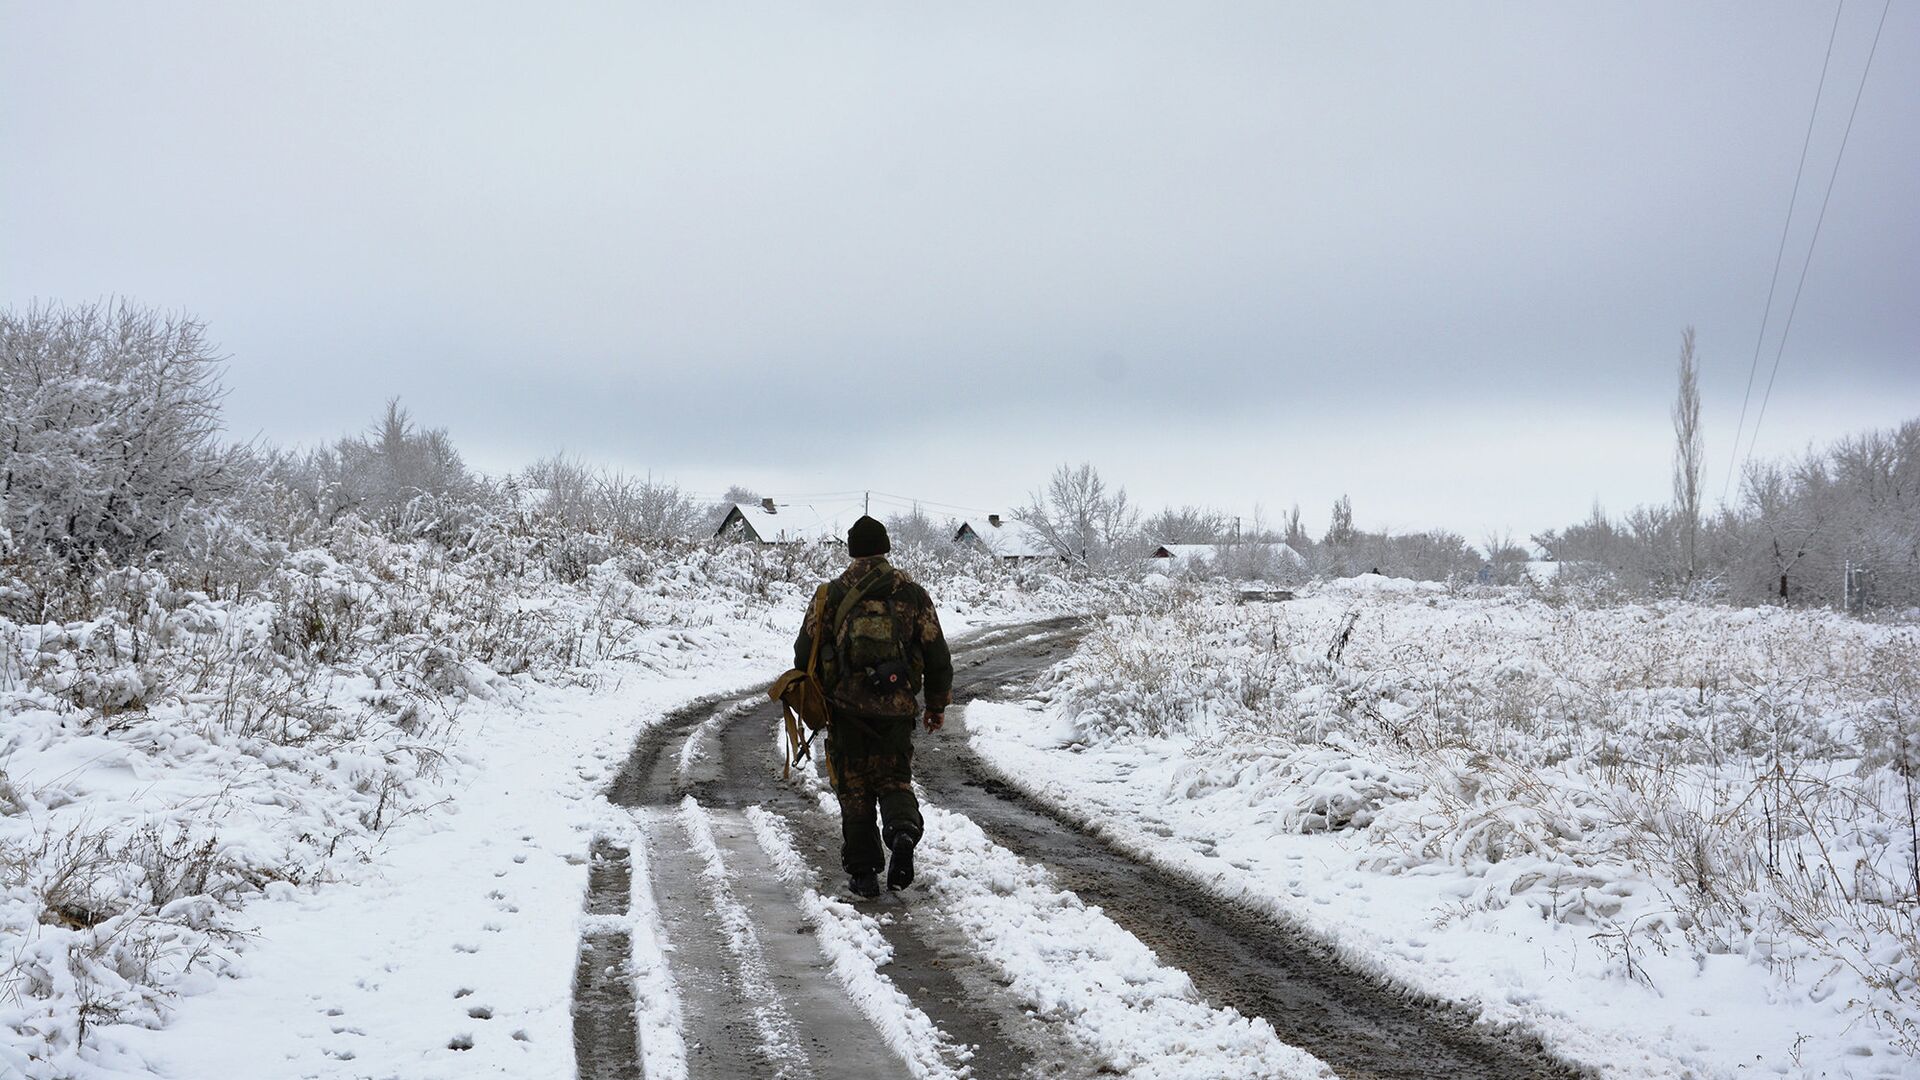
(900,865)
(865,884)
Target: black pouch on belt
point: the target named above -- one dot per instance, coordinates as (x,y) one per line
(891,675)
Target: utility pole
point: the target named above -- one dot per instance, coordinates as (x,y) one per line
(866,504)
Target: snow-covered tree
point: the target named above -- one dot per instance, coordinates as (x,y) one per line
(1081,518)
(403,478)
(109,429)
(1186,525)
(1688,453)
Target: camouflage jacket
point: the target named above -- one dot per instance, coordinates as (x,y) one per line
(916,622)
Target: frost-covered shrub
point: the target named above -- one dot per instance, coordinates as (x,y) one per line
(109,431)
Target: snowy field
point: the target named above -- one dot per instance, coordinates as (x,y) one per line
(341,824)
(1670,840)
(348,812)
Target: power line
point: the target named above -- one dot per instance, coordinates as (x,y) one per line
(1817,222)
(936,505)
(1773,282)
(791,496)
(904,501)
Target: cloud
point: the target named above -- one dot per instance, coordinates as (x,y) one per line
(1089,231)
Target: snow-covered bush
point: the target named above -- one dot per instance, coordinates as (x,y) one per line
(612,503)
(109,431)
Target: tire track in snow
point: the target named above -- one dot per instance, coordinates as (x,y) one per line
(693,751)
(626,1009)
(751,992)
(854,942)
(1235,957)
(605,1044)
(663,1045)
(779,1046)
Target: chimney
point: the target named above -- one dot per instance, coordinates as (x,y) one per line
(993,520)
(767,505)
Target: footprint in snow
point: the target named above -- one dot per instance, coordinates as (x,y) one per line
(460,1042)
(481,1012)
(465,991)
(464,947)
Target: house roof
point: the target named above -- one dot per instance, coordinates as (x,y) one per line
(1183,555)
(794,523)
(1009,539)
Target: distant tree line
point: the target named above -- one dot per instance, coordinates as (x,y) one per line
(1793,533)
(1838,526)
(111,451)
(1088,521)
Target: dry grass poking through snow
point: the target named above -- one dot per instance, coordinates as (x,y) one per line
(1673,776)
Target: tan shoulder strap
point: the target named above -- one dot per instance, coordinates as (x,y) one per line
(858,593)
(820,629)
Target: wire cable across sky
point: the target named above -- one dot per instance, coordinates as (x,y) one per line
(1779,256)
(1807,263)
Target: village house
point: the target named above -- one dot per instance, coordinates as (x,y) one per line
(1243,559)
(767,522)
(1014,541)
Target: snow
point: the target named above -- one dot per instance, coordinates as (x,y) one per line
(393,813)
(1510,877)
(1543,571)
(476,907)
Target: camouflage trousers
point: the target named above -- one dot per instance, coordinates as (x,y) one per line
(871,762)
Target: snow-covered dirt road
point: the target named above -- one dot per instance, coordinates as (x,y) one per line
(718,941)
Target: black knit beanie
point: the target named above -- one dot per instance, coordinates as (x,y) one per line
(867,537)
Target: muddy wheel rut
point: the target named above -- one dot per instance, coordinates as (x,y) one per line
(721,752)
(602,991)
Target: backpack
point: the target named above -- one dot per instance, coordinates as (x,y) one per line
(869,642)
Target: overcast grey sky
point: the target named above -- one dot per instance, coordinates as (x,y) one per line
(1435,256)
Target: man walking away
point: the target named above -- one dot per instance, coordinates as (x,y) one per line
(881,646)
